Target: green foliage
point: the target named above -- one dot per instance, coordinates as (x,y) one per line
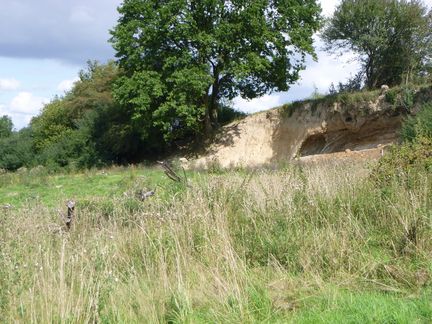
(404,163)
(6,126)
(404,97)
(88,127)
(392,37)
(407,99)
(391,96)
(180,60)
(419,126)
(73,149)
(353,84)
(227,114)
(16,150)
(51,125)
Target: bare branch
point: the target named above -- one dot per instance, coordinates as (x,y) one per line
(170,172)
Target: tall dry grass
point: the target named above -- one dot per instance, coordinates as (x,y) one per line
(233,247)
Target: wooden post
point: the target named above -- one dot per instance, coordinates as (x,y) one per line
(70,213)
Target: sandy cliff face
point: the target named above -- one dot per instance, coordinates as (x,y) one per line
(304,130)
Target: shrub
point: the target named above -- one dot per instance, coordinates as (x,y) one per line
(408,162)
(391,96)
(16,151)
(407,98)
(405,163)
(419,126)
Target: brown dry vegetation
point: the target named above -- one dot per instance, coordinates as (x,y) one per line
(316,243)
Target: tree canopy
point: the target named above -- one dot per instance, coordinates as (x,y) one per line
(6,126)
(86,126)
(392,37)
(181,59)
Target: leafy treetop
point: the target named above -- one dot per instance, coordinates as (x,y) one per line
(182,58)
(392,37)
(6,126)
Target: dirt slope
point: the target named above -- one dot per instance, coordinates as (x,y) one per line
(364,122)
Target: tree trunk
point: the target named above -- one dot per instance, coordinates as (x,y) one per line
(208,128)
(211,104)
(207,117)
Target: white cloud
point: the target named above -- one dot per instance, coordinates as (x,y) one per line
(329,69)
(27,104)
(258,104)
(9,84)
(66,85)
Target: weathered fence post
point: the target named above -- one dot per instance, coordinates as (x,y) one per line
(70,213)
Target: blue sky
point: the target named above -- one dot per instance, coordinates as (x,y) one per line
(45,43)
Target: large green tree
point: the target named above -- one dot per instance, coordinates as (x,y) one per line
(181,58)
(392,37)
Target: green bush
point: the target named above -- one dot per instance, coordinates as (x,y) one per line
(391,96)
(407,162)
(407,98)
(419,126)
(401,97)
(16,151)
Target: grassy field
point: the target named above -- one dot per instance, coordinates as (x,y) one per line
(312,244)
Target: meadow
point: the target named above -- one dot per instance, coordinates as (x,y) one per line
(301,244)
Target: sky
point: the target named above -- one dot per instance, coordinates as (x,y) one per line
(45,43)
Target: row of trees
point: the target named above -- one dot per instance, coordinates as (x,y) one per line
(179,63)
(87,127)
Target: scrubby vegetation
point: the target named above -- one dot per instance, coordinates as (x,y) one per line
(301,244)
(407,162)
(404,99)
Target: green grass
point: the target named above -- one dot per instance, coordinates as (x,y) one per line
(312,244)
(341,306)
(402,98)
(20,189)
